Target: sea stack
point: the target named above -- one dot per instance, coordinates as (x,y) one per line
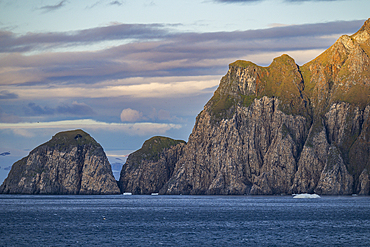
(72,162)
(149,168)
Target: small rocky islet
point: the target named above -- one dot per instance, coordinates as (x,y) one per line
(72,162)
(281,129)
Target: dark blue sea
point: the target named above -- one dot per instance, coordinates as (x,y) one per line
(183,221)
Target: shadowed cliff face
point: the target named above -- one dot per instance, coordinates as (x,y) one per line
(284,129)
(254,152)
(149,168)
(71,162)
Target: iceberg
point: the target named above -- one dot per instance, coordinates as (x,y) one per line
(306,196)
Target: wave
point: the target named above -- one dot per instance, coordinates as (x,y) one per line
(299,196)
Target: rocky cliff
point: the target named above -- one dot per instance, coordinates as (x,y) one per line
(284,128)
(149,168)
(71,162)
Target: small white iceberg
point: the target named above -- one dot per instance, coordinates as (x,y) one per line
(299,196)
(154,194)
(127,194)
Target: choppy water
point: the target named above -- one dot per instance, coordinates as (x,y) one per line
(183,221)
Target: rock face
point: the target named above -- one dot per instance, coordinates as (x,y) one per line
(71,162)
(148,169)
(284,128)
(241,154)
(364,183)
(334,179)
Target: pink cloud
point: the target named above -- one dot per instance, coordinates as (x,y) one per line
(129,115)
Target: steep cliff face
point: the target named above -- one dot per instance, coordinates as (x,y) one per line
(280,129)
(284,128)
(149,168)
(255,151)
(71,162)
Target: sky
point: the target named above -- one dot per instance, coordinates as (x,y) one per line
(125,71)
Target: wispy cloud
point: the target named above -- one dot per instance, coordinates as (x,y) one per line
(79,109)
(5,153)
(137,88)
(118,3)
(5,94)
(155,52)
(48,8)
(33,109)
(105,2)
(141,129)
(93,5)
(10,42)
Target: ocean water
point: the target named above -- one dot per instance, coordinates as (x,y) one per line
(183,221)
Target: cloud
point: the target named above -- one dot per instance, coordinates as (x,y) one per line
(155,52)
(48,8)
(163,115)
(23,132)
(5,154)
(36,110)
(75,109)
(155,87)
(141,129)
(93,5)
(11,42)
(78,109)
(120,155)
(5,94)
(119,3)
(129,115)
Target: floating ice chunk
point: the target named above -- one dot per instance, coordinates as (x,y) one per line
(127,194)
(306,196)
